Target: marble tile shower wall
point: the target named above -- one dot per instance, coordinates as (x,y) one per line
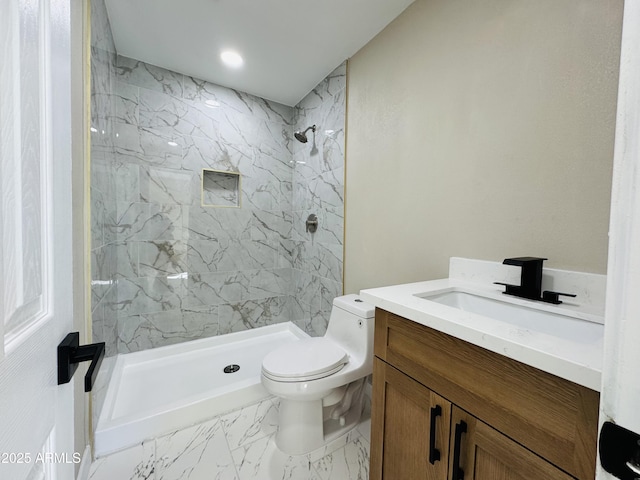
(166,269)
(318,188)
(103,193)
(186,271)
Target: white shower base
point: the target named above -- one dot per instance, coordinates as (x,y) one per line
(163,389)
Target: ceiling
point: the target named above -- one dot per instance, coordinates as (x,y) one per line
(288,46)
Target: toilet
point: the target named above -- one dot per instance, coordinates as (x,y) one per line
(321,380)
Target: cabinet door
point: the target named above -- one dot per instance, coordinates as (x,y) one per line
(556,418)
(410,428)
(479,452)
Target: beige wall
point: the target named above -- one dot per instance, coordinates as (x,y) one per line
(481,129)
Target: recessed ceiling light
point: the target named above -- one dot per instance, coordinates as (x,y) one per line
(231,59)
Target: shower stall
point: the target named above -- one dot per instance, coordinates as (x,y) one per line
(199,197)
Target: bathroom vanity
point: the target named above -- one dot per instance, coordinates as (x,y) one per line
(446,409)
(459,395)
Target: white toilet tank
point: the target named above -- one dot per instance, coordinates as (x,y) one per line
(351,325)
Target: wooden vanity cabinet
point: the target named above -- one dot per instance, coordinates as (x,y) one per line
(489,417)
(411,427)
(486,454)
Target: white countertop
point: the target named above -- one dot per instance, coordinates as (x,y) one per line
(576,358)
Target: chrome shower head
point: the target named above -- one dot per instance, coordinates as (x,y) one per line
(301,136)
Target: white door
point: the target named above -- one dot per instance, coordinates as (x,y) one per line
(36,415)
(620,394)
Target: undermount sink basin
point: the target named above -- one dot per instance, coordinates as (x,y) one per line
(521,316)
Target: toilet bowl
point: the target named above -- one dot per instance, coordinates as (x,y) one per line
(320,381)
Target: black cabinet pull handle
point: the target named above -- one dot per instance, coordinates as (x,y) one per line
(458,472)
(434,453)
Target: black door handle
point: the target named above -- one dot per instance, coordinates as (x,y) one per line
(434,453)
(70,353)
(458,472)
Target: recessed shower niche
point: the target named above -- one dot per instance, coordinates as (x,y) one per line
(220,188)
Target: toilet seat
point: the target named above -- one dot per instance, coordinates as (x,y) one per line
(303,360)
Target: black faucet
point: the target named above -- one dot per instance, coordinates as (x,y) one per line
(530,281)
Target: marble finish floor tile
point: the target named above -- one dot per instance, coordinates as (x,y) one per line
(197,453)
(239,445)
(263,460)
(135,463)
(350,462)
(250,423)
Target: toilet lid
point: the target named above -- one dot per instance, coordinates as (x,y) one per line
(305,359)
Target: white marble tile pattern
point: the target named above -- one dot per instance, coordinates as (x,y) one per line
(148,295)
(147,221)
(136,463)
(173,254)
(321,305)
(318,187)
(167,186)
(148,76)
(350,462)
(270,282)
(127,99)
(161,257)
(103,183)
(238,445)
(200,152)
(216,288)
(226,255)
(172,115)
(101,259)
(126,259)
(139,332)
(260,194)
(251,423)
(262,459)
(274,225)
(147,146)
(239,316)
(202,223)
(197,453)
(220,189)
(126,180)
(110,323)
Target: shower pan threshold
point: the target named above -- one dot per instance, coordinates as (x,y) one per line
(156,391)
